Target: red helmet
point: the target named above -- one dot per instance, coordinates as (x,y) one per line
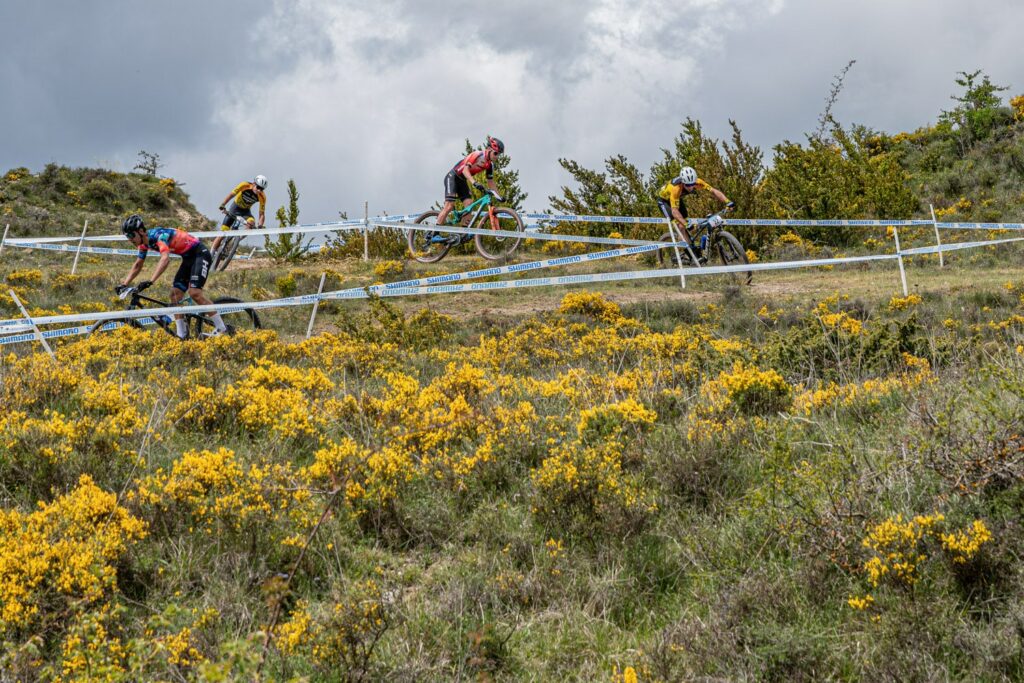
(496,144)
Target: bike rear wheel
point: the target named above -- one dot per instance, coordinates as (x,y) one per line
(497,247)
(241,318)
(424,245)
(732,253)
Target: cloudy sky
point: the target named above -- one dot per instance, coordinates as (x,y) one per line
(371,101)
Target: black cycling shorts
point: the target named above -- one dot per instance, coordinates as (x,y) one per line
(455,187)
(666,208)
(194,268)
(232,211)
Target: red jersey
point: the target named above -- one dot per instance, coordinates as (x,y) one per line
(475,161)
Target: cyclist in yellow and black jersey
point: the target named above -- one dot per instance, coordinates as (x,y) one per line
(239,202)
(670,199)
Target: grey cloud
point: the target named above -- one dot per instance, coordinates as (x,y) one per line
(82,79)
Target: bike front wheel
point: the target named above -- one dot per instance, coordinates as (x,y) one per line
(426,246)
(497,247)
(241,318)
(112,325)
(667,257)
(732,253)
(225,253)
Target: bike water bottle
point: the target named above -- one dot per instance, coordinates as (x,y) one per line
(703,242)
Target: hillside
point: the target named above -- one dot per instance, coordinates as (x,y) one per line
(58,199)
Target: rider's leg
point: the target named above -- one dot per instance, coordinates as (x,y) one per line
(445,210)
(200,298)
(196,282)
(180,324)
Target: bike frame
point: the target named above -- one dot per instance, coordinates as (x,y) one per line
(137,299)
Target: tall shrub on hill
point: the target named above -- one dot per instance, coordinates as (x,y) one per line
(733,166)
(837,175)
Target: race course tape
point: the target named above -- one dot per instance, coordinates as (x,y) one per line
(332,226)
(487,232)
(363,293)
(573,218)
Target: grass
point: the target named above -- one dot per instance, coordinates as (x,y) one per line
(562,485)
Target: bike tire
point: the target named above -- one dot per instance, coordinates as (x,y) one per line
(227,252)
(101,326)
(421,247)
(732,253)
(497,248)
(667,256)
(242,319)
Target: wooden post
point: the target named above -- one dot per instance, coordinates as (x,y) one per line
(39,334)
(4,238)
(78,252)
(316,305)
(366,231)
(938,240)
(899,255)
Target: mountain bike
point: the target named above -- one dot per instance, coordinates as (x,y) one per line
(228,245)
(430,246)
(709,234)
(200,325)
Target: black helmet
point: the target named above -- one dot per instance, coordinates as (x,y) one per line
(132,224)
(496,144)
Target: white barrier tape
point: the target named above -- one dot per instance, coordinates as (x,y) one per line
(980,226)
(522,267)
(101,250)
(62,332)
(68,248)
(959,245)
(573,218)
(331,226)
(454,277)
(362,293)
(515,234)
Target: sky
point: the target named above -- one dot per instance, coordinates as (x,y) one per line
(362,101)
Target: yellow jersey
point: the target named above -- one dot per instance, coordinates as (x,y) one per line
(672,193)
(247,194)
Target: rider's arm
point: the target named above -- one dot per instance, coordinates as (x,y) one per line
(718,195)
(224,202)
(491,184)
(134,272)
(165,259)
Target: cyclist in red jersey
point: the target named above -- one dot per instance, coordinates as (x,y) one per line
(458,180)
(191,275)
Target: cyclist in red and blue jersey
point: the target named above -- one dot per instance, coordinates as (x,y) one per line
(458,180)
(191,275)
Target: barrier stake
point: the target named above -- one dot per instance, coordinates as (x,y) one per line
(366,231)
(4,238)
(938,240)
(316,305)
(78,252)
(679,257)
(39,335)
(899,257)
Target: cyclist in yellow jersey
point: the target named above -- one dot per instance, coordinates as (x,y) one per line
(670,199)
(239,202)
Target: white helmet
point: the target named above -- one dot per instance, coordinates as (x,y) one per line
(687,176)
(261,181)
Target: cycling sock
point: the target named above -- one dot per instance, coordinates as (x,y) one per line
(181,325)
(218,322)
